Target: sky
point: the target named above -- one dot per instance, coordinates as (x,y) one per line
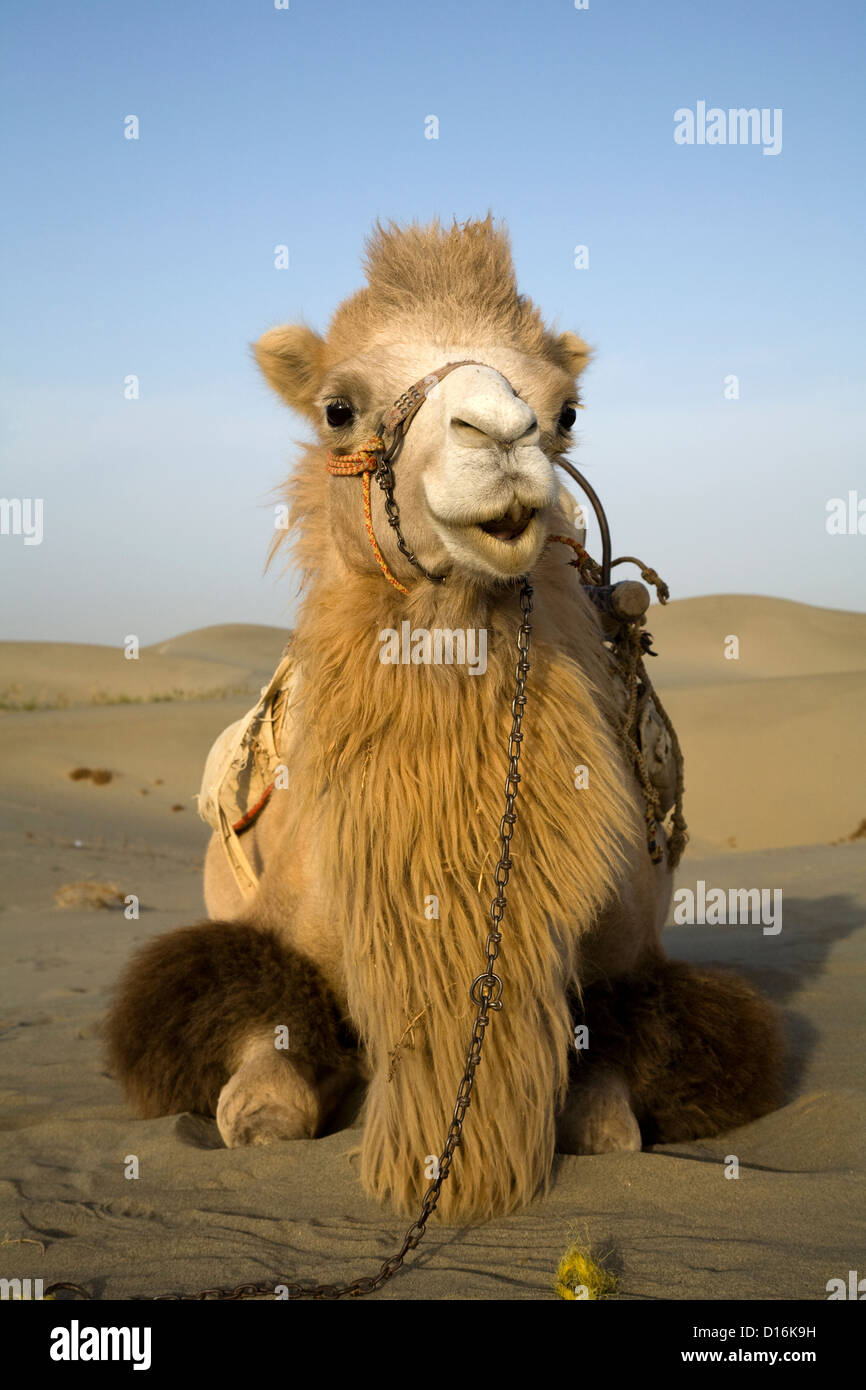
(261,127)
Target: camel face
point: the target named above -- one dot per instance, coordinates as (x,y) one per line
(474,478)
(473,482)
(486,482)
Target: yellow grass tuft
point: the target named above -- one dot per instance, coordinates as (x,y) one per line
(580,1276)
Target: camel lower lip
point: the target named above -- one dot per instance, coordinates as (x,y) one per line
(504,528)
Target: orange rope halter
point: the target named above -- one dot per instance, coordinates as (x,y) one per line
(364,461)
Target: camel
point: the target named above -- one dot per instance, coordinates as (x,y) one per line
(365,924)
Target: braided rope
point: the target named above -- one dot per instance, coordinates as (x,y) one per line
(648,575)
(365,461)
(368,527)
(589,569)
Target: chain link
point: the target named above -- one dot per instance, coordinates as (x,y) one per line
(485,993)
(384,476)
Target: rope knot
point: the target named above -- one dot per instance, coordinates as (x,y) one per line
(365,459)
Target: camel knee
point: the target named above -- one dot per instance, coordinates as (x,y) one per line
(700,1050)
(192,998)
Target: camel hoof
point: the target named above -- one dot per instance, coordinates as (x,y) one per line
(597,1118)
(266,1101)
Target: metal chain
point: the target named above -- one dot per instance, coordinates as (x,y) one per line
(384,476)
(485,993)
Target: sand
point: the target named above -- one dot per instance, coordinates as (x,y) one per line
(775,749)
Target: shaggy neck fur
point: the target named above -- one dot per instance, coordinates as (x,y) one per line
(406,766)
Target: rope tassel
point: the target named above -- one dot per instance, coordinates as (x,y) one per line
(365,461)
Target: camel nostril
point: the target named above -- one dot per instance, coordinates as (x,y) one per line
(496,435)
(475,436)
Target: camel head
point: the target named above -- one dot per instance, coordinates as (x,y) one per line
(474,477)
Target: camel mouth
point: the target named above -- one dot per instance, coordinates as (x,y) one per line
(498,547)
(511,525)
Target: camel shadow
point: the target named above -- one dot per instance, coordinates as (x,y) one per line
(781,966)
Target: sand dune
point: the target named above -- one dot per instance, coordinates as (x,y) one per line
(774,755)
(208,664)
(774,762)
(253,645)
(757,775)
(776,638)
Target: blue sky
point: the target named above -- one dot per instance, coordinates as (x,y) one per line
(260,127)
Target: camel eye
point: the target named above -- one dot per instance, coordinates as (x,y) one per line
(567,417)
(338,414)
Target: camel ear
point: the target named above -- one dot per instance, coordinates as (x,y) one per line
(573,353)
(292,360)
